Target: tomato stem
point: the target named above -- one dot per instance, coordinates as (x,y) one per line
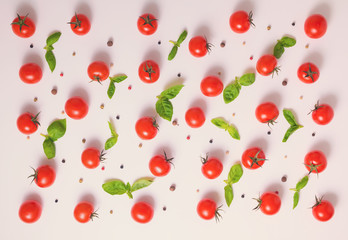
(21,22)
(256,159)
(77,23)
(250,19)
(310,73)
(147,20)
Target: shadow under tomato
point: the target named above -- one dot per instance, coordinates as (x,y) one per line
(323,146)
(203,31)
(84,8)
(323,9)
(24,8)
(215,196)
(88,197)
(201,103)
(164,148)
(101,56)
(274,97)
(30,108)
(244,6)
(151,8)
(33,196)
(95,143)
(80,92)
(275,187)
(33,58)
(330,99)
(154,55)
(260,143)
(217,153)
(214,71)
(146,198)
(316,58)
(331,197)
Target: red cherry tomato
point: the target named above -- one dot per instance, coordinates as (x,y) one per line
(159,165)
(44,176)
(142,212)
(323,210)
(27,123)
(267,65)
(322,114)
(146,128)
(267,113)
(98,71)
(315,161)
(199,46)
(253,158)
(30,211)
(308,73)
(30,73)
(76,108)
(211,86)
(84,211)
(315,26)
(80,24)
(91,157)
(240,21)
(211,168)
(147,24)
(207,209)
(269,203)
(195,117)
(23,26)
(149,71)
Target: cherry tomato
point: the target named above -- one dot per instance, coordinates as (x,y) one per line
(30,211)
(98,71)
(269,203)
(211,168)
(211,86)
(199,46)
(80,24)
(84,211)
(207,209)
(195,117)
(147,24)
(30,73)
(23,26)
(322,114)
(91,157)
(27,123)
(308,73)
(267,65)
(315,26)
(315,161)
(149,71)
(323,210)
(142,212)
(76,108)
(240,21)
(160,165)
(44,176)
(146,128)
(267,113)
(253,158)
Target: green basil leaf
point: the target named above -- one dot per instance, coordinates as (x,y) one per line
(111,89)
(296,199)
(171,92)
(115,187)
(231,91)
(289,116)
(287,42)
(290,131)
(53,38)
(51,60)
(233,132)
(228,194)
(118,78)
(247,79)
(278,50)
(130,195)
(57,129)
(172,53)
(235,173)
(49,148)
(182,37)
(141,183)
(112,129)
(110,142)
(164,108)
(220,123)
(302,183)
(128,187)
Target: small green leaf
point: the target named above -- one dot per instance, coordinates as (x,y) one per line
(112,129)
(296,199)
(172,53)
(228,194)
(115,187)
(289,116)
(164,108)
(51,60)
(141,183)
(235,173)
(49,148)
(111,89)
(128,187)
(247,79)
(57,129)
(130,195)
(233,132)
(53,38)
(287,42)
(278,50)
(302,183)
(231,91)
(118,78)
(171,92)
(220,123)
(290,131)
(110,142)
(182,37)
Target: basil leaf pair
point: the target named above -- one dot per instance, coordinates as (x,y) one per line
(221,123)
(176,46)
(300,185)
(290,118)
(55,131)
(232,90)
(110,142)
(283,43)
(234,176)
(49,56)
(113,80)
(164,107)
(118,187)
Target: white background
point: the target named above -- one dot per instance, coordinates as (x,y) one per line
(117,20)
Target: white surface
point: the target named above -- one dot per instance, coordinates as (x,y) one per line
(117,20)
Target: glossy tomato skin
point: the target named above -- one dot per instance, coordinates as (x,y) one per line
(30,211)
(26,31)
(44,176)
(146,128)
(315,161)
(159,166)
(315,26)
(212,168)
(322,114)
(211,86)
(30,73)
(27,123)
(199,46)
(250,154)
(240,22)
(195,117)
(324,211)
(308,73)
(270,203)
(80,24)
(206,209)
(147,24)
(142,212)
(267,112)
(149,71)
(98,71)
(266,65)
(76,108)
(84,211)
(91,157)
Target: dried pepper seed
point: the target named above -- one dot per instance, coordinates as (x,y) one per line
(197,190)
(284,178)
(61,74)
(307,45)
(110,43)
(118,117)
(222,44)
(269,132)
(251,57)
(80,180)
(103,168)
(140,145)
(313,134)
(244,42)
(111,211)
(63,160)
(129,87)
(227,152)
(243,195)
(164,208)
(74,53)
(233,114)
(111,64)
(175,122)
(219,73)
(285,82)
(159,42)
(121,166)
(28,137)
(84,140)
(269,27)
(54,91)
(301,97)
(63,112)
(102,106)
(286,156)
(56,200)
(179,74)
(293,23)
(31,45)
(172,187)
(211,141)
(35,99)
(276,192)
